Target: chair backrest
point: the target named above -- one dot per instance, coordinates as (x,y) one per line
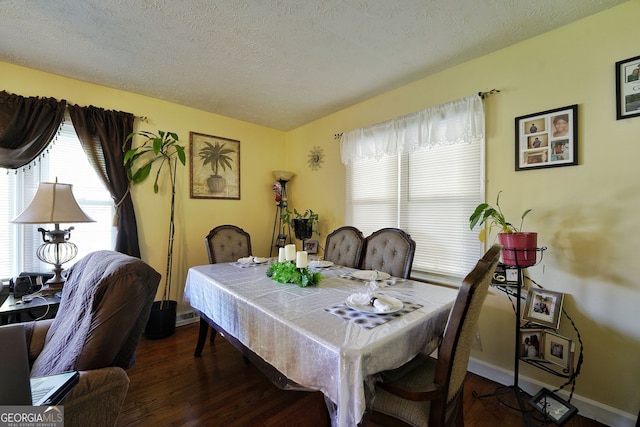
(227,243)
(390,250)
(104,308)
(344,246)
(453,354)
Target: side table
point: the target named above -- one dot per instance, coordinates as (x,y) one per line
(14,310)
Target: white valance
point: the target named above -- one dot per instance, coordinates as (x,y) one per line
(460,121)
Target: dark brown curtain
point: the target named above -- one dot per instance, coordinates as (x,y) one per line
(27,125)
(102,134)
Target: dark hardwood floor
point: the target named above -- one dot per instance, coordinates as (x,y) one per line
(170,387)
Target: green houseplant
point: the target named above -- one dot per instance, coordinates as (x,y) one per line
(217,157)
(519,248)
(162,149)
(302,223)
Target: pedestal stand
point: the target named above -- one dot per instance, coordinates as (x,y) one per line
(281,232)
(520,395)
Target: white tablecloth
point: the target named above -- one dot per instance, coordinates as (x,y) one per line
(289,328)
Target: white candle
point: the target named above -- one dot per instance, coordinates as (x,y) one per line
(290,252)
(301,259)
(281,255)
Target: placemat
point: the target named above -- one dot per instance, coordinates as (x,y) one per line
(369,320)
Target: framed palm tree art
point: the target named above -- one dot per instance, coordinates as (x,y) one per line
(215,167)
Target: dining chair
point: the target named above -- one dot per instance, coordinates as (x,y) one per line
(225,243)
(428,391)
(344,246)
(390,250)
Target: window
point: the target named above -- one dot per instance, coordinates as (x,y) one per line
(428,190)
(67,162)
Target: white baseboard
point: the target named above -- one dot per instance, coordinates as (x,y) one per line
(586,407)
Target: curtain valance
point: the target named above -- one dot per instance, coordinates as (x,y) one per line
(452,123)
(27,125)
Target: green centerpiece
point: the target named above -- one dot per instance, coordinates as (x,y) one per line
(287,272)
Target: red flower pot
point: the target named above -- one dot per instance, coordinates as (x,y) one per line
(519,249)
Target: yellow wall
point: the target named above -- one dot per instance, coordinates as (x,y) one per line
(585,215)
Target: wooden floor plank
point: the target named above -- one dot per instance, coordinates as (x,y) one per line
(170,387)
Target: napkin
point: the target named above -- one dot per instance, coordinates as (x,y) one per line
(360,298)
(245,260)
(380,303)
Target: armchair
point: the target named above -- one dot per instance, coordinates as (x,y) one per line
(104,307)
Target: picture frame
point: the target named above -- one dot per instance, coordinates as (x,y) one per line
(543,307)
(553,407)
(558,350)
(628,88)
(547,139)
(505,275)
(531,344)
(214,167)
(311,246)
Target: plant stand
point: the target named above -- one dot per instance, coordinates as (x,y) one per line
(520,395)
(281,232)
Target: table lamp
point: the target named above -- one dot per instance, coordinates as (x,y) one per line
(54,203)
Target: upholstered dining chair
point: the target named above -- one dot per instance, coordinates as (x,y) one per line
(104,308)
(426,391)
(390,250)
(344,246)
(225,243)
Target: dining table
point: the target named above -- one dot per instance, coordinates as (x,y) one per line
(313,336)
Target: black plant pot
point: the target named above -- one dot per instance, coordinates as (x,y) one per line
(302,228)
(162,320)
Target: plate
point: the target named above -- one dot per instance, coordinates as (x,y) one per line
(320,264)
(396,305)
(370,275)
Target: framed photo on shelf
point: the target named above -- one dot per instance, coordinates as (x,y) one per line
(543,307)
(547,139)
(215,167)
(628,88)
(505,276)
(531,344)
(553,407)
(311,246)
(558,350)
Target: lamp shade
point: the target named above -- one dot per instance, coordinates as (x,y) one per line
(283,175)
(53,203)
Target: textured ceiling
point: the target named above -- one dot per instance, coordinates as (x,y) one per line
(277,63)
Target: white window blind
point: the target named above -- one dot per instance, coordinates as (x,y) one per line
(429,190)
(67,162)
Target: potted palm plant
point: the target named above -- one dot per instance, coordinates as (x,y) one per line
(217,157)
(162,148)
(302,223)
(519,248)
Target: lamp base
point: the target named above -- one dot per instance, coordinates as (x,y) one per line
(54,284)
